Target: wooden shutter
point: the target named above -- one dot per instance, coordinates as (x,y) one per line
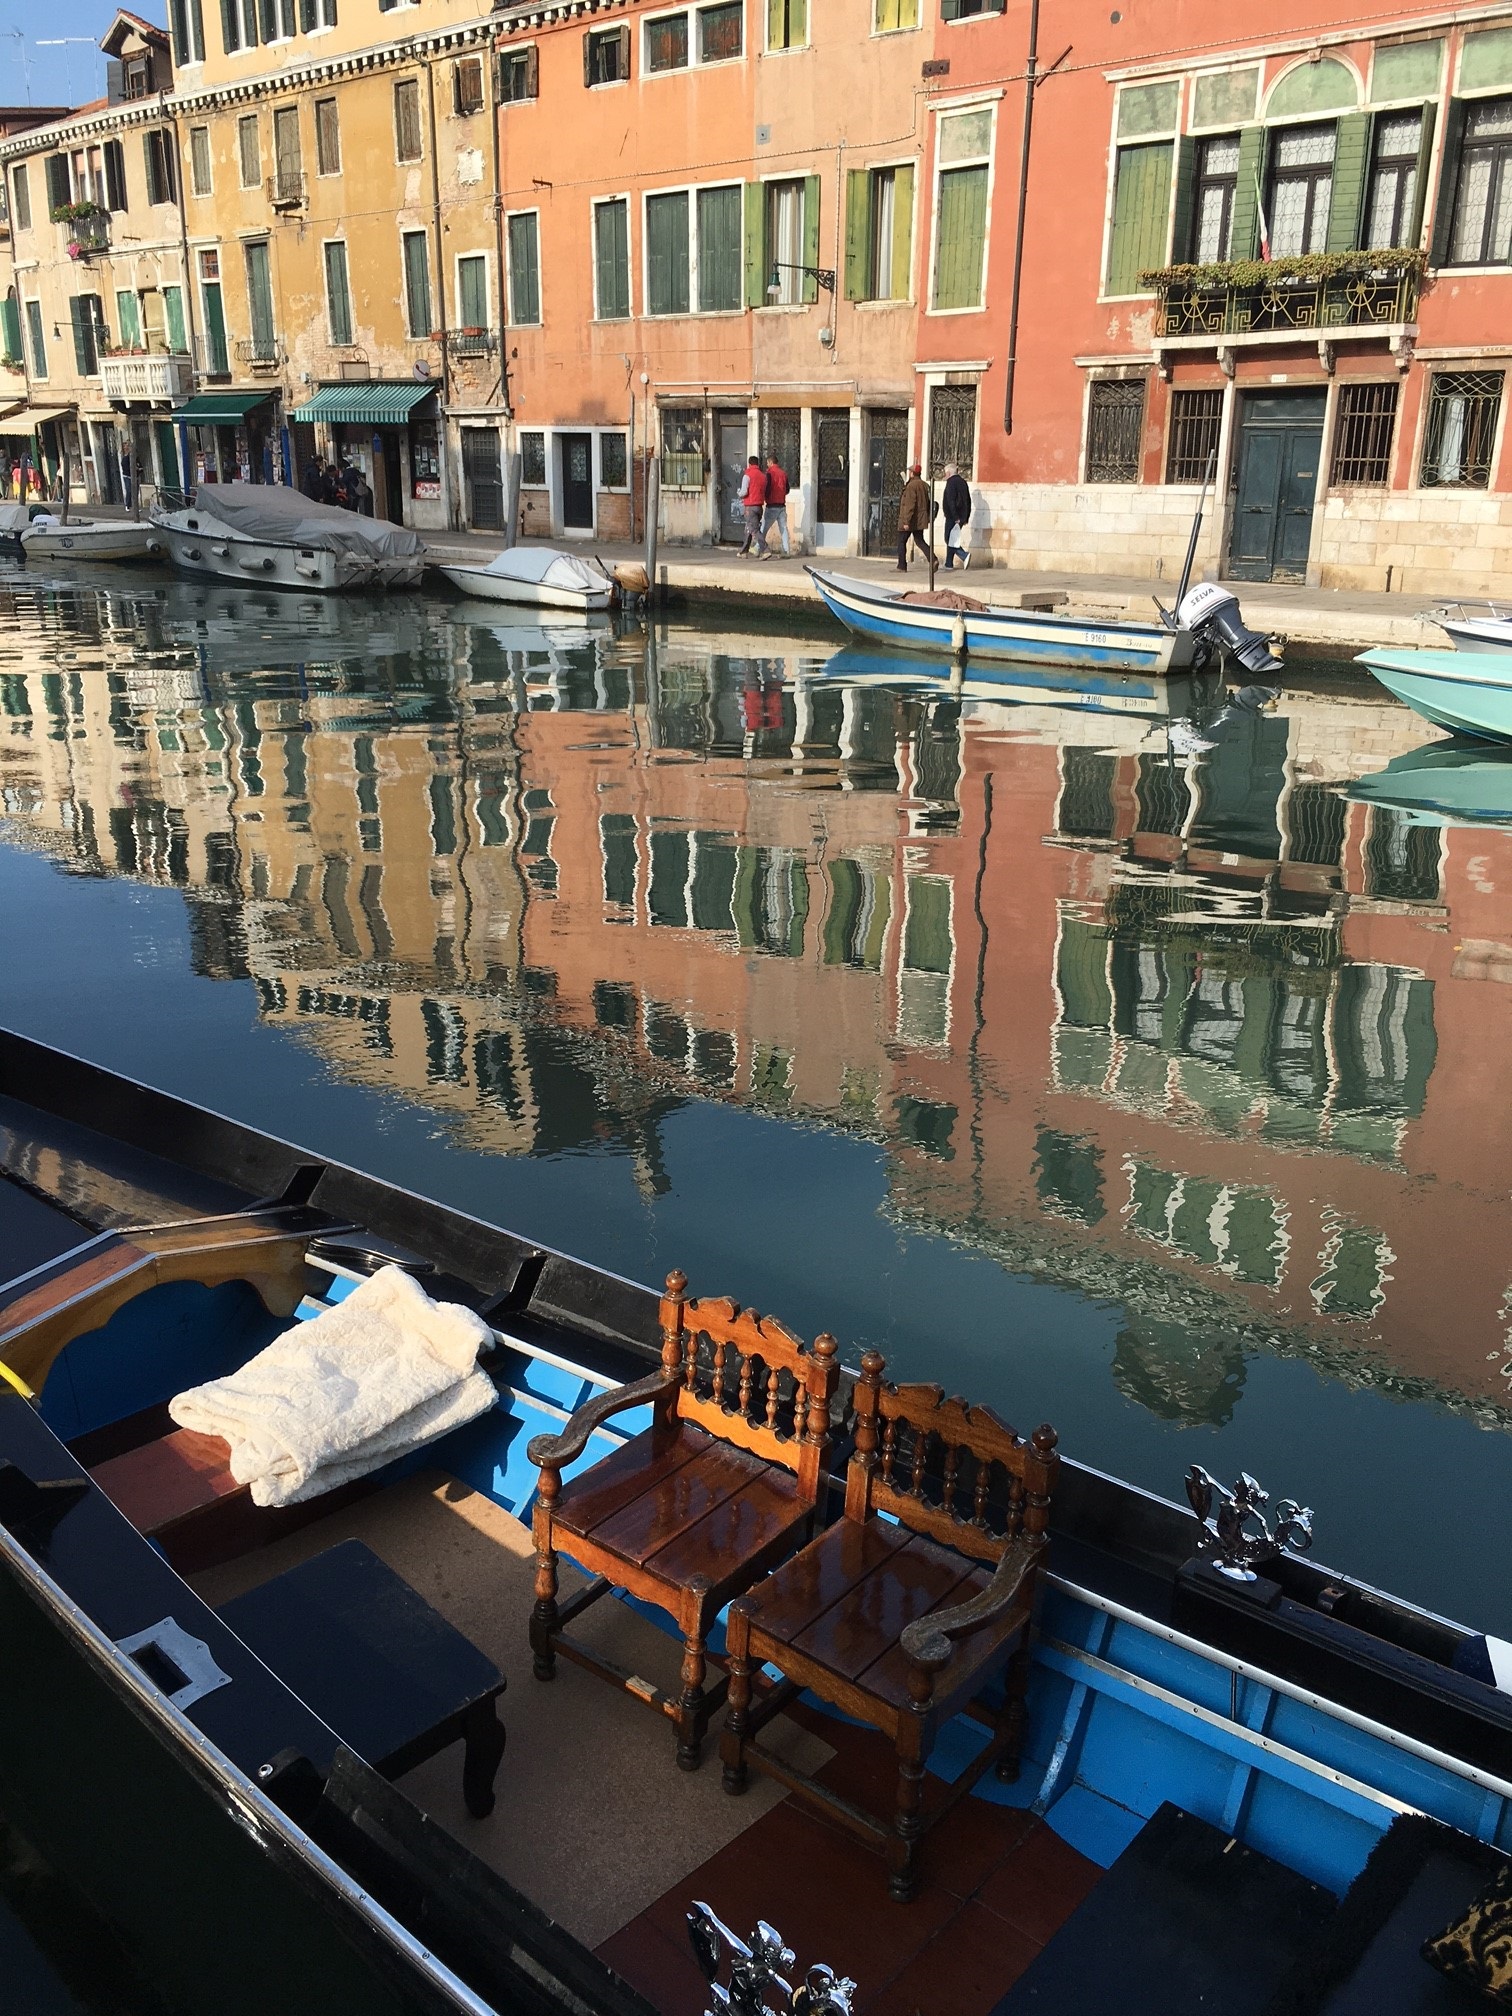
(756,269)
(810,235)
(611,253)
(1186,179)
(1448,187)
(115,82)
(173,316)
(10,320)
(902,245)
(588,77)
(230,34)
(307,20)
(1424,170)
(961,231)
(82,334)
(1141,205)
(23,199)
(58,191)
(1350,176)
(115,176)
(150,163)
(1244,237)
(857,233)
(532,72)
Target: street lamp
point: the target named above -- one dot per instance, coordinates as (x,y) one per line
(822,276)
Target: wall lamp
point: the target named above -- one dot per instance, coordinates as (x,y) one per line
(823,276)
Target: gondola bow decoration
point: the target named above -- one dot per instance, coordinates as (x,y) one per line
(760,1969)
(1236,1535)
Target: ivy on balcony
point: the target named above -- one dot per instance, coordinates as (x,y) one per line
(1313,290)
(75,213)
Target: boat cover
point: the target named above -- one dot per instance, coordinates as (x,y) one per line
(283,517)
(546,564)
(13,519)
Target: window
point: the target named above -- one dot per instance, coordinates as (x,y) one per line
(721,31)
(606,55)
(316,14)
(682,448)
(1362,434)
(1301,189)
(1463,408)
(1115,424)
(1141,198)
(288,166)
(277,20)
(260,302)
(158,155)
(407,119)
(963,10)
(1481,231)
(136,76)
(612,462)
(217,357)
(781,435)
(1216,180)
(248,151)
(611,260)
(524,268)
(667,254)
(35,339)
(327,137)
(199,160)
(879,234)
(186,22)
(173,319)
(784,243)
(533,461)
(518,76)
(1192,439)
(128,320)
(22,211)
(472,291)
(1391,217)
(667,43)
(952,428)
(467,86)
(787,24)
(891,15)
(90,335)
(417,301)
(115,175)
(239,25)
(964,142)
(338,292)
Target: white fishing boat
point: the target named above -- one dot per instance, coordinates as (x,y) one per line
(52,538)
(1475,626)
(278,537)
(542,577)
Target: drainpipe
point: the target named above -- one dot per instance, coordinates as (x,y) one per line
(1031,70)
(442,429)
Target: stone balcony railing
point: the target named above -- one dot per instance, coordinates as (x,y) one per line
(156,380)
(1313,295)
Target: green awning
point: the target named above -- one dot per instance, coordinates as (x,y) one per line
(218,409)
(364,405)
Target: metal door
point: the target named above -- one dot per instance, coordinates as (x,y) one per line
(1280,440)
(887,450)
(832,459)
(577,481)
(483,474)
(734,439)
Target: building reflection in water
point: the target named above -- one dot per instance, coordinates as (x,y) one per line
(1161,1016)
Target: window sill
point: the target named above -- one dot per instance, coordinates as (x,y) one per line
(793,49)
(607,84)
(784,307)
(875,301)
(617,321)
(692,314)
(966,20)
(979,309)
(885,34)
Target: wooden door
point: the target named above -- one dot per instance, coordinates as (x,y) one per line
(1280,440)
(734,439)
(887,450)
(832,464)
(577,481)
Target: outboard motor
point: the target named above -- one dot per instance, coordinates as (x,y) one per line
(1211,613)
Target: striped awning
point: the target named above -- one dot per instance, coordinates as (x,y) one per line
(218,409)
(364,405)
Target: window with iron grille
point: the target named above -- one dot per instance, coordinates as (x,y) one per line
(780,437)
(682,445)
(1362,434)
(952,428)
(533,460)
(1192,441)
(1115,424)
(1463,407)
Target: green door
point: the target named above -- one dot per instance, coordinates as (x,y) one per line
(1280,440)
(167,456)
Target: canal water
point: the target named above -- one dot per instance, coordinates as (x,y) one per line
(1145,1077)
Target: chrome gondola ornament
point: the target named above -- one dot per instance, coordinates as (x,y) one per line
(1236,1535)
(761,1967)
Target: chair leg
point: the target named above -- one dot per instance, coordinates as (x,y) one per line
(1016,1685)
(483,1736)
(903,1850)
(692,1715)
(736,1774)
(544,1622)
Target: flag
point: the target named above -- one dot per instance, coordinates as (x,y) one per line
(1265,251)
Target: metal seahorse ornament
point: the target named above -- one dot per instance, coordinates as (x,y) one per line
(761,1967)
(1237,1536)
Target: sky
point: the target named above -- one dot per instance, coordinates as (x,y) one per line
(70,72)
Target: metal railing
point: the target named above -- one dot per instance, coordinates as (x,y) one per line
(471,342)
(91,233)
(258,353)
(286,188)
(1362,294)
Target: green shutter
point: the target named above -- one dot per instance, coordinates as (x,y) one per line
(667,253)
(1424,170)
(857,233)
(1182,246)
(173,316)
(83,347)
(1443,216)
(720,239)
(810,235)
(611,254)
(128,318)
(1351,163)
(57,182)
(1141,205)
(902,245)
(1244,238)
(755,245)
(961,230)
(10,321)
(524,271)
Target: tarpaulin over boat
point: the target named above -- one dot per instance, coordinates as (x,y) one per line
(283,517)
(548,565)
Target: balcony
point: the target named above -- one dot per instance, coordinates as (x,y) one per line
(158,380)
(87,228)
(259,353)
(471,342)
(286,189)
(1327,296)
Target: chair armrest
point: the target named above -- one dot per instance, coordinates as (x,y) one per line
(550,1452)
(927,1642)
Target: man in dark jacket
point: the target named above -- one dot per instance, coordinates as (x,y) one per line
(915,509)
(955,508)
(330,489)
(309,482)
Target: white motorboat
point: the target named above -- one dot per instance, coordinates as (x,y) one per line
(279,538)
(1475,626)
(541,577)
(51,538)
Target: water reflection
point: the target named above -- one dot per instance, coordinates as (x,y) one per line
(1181,1014)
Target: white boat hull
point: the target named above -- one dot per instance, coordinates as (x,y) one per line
(1477,633)
(529,594)
(215,553)
(91,539)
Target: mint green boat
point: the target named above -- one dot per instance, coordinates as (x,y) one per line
(1468,692)
(1444,784)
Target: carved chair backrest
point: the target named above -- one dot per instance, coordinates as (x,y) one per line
(947,1469)
(748,1380)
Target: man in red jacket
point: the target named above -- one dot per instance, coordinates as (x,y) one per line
(752,494)
(775,512)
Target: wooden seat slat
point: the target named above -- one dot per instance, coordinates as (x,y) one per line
(168,1479)
(676,1504)
(740,1527)
(619,1479)
(856,1632)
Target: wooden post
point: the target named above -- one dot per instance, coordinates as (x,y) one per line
(512,467)
(930,533)
(653,515)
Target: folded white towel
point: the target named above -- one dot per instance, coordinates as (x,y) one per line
(382,1372)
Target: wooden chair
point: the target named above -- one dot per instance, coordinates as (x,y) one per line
(903,1625)
(718,1490)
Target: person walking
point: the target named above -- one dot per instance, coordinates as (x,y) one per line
(775,511)
(752,495)
(915,509)
(955,509)
(362,494)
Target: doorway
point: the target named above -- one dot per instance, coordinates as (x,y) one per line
(832,478)
(388,477)
(733,433)
(577,481)
(1275,482)
(886,453)
(483,475)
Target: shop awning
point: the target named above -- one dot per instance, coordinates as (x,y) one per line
(27,419)
(364,405)
(218,409)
